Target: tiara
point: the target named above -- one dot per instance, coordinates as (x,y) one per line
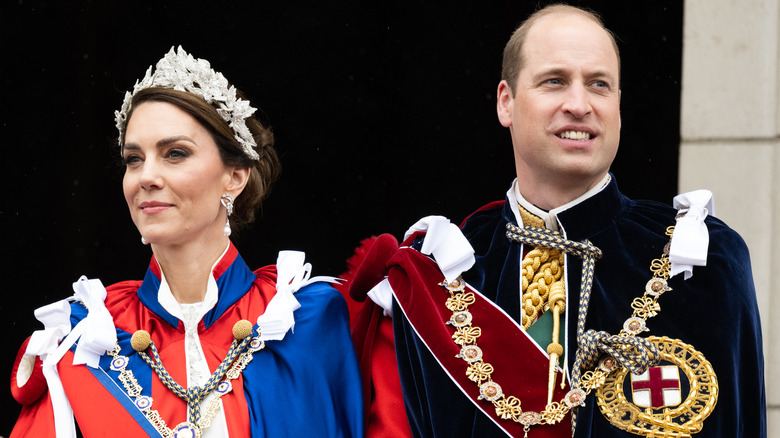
(180,71)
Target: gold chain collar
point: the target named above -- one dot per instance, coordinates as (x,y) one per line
(144,403)
(508,407)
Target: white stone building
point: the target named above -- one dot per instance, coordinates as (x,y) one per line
(730,141)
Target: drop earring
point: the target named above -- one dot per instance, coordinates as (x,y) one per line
(227,202)
(143,241)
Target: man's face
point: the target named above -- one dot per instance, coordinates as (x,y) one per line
(564,114)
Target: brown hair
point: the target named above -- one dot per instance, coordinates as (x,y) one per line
(513,51)
(263,172)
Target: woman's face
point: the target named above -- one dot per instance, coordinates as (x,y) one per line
(174,177)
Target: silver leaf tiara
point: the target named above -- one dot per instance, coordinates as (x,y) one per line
(180,71)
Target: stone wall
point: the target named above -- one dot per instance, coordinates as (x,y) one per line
(730,141)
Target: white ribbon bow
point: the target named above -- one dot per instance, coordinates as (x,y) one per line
(447,244)
(382,295)
(291,275)
(444,240)
(96,334)
(691,238)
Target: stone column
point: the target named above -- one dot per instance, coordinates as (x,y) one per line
(730,141)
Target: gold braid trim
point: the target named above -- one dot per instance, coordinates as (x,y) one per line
(540,268)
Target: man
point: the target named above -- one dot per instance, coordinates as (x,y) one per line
(583,312)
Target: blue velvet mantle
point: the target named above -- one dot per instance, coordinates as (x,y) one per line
(715,312)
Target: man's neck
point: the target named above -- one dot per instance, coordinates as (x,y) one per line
(551,196)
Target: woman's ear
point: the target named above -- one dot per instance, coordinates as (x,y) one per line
(239,176)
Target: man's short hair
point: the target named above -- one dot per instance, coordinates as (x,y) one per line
(513,51)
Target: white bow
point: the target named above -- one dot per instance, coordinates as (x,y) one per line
(97,331)
(382,295)
(691,238)
(96,334)
(447,244)
(291,275)
(56,321)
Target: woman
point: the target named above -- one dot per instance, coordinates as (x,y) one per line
(203,346)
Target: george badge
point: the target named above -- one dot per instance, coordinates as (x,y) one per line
(669,400)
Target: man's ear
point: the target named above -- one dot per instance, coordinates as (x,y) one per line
(504,104)
(620,119)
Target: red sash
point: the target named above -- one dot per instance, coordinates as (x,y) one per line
(521,367)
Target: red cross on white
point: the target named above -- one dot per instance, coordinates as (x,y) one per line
(657,387)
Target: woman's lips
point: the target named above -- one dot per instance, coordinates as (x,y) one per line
(154,207)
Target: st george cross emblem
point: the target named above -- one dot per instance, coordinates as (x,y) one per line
(670,400)
(658,387)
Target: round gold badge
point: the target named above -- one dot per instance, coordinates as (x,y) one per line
(655,409)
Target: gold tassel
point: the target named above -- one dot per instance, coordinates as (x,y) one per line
(557,302)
